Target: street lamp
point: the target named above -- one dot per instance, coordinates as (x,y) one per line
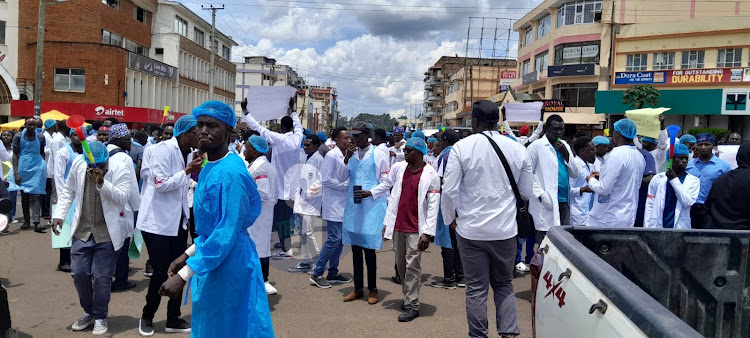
(39,56)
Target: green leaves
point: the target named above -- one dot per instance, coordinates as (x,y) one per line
(638,96)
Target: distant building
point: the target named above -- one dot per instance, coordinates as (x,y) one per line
(8,56)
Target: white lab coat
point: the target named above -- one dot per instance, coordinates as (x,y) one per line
(579,203)
(305,201)
(428,202)
(164,194)
(686,192)
(52,144)
(115,195)
(135,196)
(61,158)
(286,149)
(617,188)
(544,164)
(265,177)
(335,176)
(524,140)
(398,149)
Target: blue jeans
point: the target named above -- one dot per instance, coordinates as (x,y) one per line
(93,266)
(13,198)
(331,251)
(530,241)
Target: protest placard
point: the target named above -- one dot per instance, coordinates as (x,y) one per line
(647,120)
(728,153)
(268,102)
(523,112)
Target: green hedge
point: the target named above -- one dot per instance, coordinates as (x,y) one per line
(717,132)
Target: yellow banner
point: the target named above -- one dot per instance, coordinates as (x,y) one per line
(647,120)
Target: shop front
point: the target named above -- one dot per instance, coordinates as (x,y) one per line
(135,117)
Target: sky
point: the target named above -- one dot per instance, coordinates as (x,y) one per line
(374,52)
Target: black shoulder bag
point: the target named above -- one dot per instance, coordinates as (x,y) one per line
(523,218)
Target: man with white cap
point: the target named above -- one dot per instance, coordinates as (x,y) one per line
(265,176)
(617,186)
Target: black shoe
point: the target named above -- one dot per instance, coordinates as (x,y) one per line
(338,279)
(444,284)
(39,228)
(64,268)
(146,327)
(180,326)
(123,286)
(396,280)
(460,283)
(25,225)
(408,315)
(149,271)
(320,282)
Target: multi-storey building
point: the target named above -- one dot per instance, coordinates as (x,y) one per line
(8,55)
(453,83)
(326,116)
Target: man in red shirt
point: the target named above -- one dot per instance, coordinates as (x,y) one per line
(411,220)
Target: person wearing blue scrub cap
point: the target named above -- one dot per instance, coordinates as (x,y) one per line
(322,136)
(663,209)
(98,151)
(418,144)
(260,144)
(626,128)
(688,139)
(598,140)
(418,134)
(49,123)
(218,110)
(184,124)
(601,148)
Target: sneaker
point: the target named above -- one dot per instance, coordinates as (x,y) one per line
(39,228)
(338,279)
(522,267)
(146,327)
(408,315)
(320,282)
(283,255)
(63,268)
(444,284)
(301,267)
(83,322)
(149,271)
(270,290)
(460,283)
(180,326)
(311,272)
(100,327)
(25,225)
(14,221)
(396,280)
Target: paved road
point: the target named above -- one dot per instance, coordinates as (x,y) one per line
(43,301)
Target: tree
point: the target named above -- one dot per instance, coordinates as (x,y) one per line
(383,121)
(638,96)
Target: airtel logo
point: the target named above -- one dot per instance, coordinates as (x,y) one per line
(109,112)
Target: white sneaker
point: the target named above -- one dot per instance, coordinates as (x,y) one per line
(283,255)
(83,322)
(270,290)
(522,267)
(100,327)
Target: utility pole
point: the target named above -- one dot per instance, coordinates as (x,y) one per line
(214,47)
(39,57)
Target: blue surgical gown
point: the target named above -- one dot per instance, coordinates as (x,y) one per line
(229,297)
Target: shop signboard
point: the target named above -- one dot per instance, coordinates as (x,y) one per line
(684,76)
(23,108)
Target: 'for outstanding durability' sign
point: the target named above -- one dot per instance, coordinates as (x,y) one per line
(684,76)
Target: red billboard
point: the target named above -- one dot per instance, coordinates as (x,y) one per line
(25,108)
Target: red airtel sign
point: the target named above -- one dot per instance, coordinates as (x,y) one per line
(24,108)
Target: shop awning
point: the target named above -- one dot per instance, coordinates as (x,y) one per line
(25,108)
(682,101)
(17,124)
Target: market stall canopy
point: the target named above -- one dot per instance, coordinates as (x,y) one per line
(17,124)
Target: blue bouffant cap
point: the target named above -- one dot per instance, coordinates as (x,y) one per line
(418,133)
(432,140)
(681,149)
(184,124)
(418,144)
(218,110)
(706,137)
(260,144)
(648,139)
(99,151)
(627,128)
(687,138)
(322,136)
(48,123)
(600,140)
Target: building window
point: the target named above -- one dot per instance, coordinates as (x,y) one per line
(159,51)
(528,37)
(540,62)
(578,12)
(140,14)
(693,59)
(226,52)
(180,26)
(2,32)
(637,62)
(575,94)
(664,60)
(526,67)
(731,57)
(109,38)
(70,80)
(543,27)
(199,37)
(577,53)
(112,3)
(136,48)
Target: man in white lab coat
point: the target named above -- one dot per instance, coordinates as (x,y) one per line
(411,221)
(265,177)
(335,181)
(580,202)
(308,202)
(163,215)
(617,186)
(54,141)
(551,160)
(286,149)
(672,194)
(601,149)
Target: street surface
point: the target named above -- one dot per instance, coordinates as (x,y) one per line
(43,302)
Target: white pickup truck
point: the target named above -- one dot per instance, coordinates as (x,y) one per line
(632,282)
